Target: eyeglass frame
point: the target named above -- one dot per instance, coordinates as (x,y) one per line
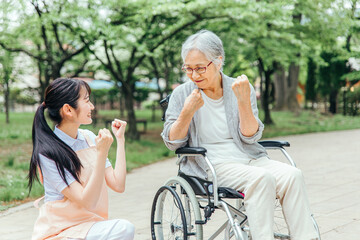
(195,69)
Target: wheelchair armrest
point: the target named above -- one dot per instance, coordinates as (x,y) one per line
(274,144)
(191,150)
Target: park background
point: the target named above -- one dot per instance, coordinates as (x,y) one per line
(303,58)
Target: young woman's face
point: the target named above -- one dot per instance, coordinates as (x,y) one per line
(84,107)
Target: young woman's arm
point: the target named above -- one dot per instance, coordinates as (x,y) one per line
(116,177)
(88,196)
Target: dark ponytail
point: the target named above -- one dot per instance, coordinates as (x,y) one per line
(61,91)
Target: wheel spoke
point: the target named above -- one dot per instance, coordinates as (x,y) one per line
(280,227)
(175,212)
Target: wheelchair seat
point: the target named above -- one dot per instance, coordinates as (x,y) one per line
(203,187)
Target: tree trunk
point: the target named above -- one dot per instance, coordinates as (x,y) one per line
(43,86)
(293,79)
(111,103)
(122,110)
(121,107)
(167,75)
(267,119)
(157,76)
(344,103)
(325,105)
(265,92)
(132,132)
(333,101)
(44,80)
(310,87)
(294,69)
(262,82)
(280,90)
(7,94)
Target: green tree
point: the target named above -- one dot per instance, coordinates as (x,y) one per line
(48,32)
(6,78)
(165,63)
(6,59)
(353,39)
(330,80)
(263,36)
(132,31)
(25,96)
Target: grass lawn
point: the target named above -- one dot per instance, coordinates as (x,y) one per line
(286,123)
(16,146)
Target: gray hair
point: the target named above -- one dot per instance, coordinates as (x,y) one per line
(206,42)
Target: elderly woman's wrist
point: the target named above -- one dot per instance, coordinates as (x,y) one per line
(244,104)
(186,114)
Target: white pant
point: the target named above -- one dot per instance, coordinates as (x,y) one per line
(262,181)
(115,229)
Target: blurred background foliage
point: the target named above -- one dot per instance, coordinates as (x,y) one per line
(299,54)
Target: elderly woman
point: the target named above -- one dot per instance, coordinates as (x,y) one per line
(219,113)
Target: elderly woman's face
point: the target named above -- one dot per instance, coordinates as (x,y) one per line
(208,80)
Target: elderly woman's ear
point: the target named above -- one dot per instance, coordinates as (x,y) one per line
(219,65)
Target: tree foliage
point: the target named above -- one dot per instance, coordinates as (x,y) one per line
(136,40)
(48,32)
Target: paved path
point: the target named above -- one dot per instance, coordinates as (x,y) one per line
(330,163)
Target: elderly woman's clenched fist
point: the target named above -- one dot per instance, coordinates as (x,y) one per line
(241,89)
(194,101)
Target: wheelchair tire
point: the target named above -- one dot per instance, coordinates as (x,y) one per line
(191,206)
(167,215)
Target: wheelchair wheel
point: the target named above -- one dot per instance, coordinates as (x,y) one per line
(281,230)
(191,206)
(191,227)
(168,216)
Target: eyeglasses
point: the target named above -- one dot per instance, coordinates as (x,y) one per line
(199,70)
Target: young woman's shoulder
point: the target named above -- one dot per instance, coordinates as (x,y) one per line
(52,178)
(89,133)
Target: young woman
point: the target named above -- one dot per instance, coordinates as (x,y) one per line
(74,168)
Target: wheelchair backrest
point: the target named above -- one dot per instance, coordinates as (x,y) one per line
(164,104)
(198,184)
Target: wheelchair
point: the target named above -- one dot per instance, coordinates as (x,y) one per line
(184,204)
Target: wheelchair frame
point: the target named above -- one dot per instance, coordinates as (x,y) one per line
(188,222)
